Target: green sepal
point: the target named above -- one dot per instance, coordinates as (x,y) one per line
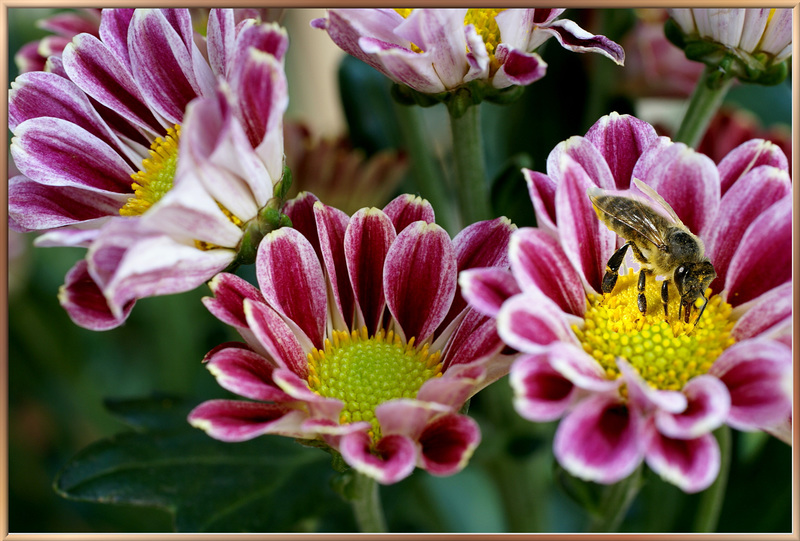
(504,96)
(774,75)
(674,33)
(408,96)
(248,246)
(284,185)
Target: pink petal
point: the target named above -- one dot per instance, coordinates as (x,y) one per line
(748,156)
(687,180)
(621,139)
(448,443)
(708,405)
(420,279)
(245,373)
(58,153)
(276,337)
(301,211)
(235,420)
(164,64)
(454,388)
(292,282)
(538,260)
(691,465)
(260,86)
(541,393)
(763,259)
(582,370)
(440,33)
(487,289)
(758,375)
(482,244)
(227,304)
(573,37)
(84,301)
(392,459)
(770,313)
(405,209)
(740,206)
(586,241)
(331,228)
(91,64)
(475,338)
(114,25)
(542,191)
(408,417)
(369,235)
(599,440)
(517,67)
(530,321)
(35,206)
(646,398)
(220,37)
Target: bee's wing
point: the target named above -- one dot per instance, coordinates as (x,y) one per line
(652,194)
(637,218)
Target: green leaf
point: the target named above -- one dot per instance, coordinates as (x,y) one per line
(266,484)
(157,412)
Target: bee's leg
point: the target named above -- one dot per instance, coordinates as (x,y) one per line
(641,300)
(613,265)
(665,295)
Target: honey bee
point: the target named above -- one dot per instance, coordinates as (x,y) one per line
(662,246)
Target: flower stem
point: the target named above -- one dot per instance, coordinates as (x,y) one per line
(711,502)
(366,502)
(706,99)
(470,171)
(428,179)
(618,498)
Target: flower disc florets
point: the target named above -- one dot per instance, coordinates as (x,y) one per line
(157,174)
(365,371)
(666,351)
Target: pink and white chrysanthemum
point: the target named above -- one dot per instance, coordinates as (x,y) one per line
(110,159)
(629,387)
(358,337)
(438,50)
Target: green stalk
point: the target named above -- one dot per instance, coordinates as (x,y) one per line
(428,179)
(618,498)
(711,502)
(366,503)
(706,99)
(472,188)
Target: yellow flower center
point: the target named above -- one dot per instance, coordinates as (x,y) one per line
(157,174)
(365,371)
(482,19)
(667,352)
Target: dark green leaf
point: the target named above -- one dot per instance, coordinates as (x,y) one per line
(157,412)
(268,484)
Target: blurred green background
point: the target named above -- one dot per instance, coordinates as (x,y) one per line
(59,374)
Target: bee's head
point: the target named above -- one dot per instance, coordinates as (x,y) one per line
(692,279)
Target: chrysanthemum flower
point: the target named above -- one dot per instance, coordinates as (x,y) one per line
(358,337)
(438,50)
(631,387)
(750,43)
(81,138)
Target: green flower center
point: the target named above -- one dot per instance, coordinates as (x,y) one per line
(482,19)
(365,371)
(157,174)
(666,353)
